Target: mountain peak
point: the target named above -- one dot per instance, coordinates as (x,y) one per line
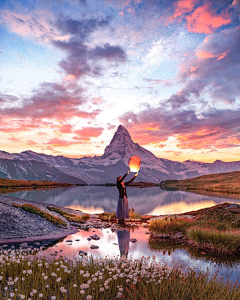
(122,128)
(120,142)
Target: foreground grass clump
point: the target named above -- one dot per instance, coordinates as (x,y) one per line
(70,217)
(223,240)
(169,226)
(108,217)
(34,210)
(22,278)
(133,215)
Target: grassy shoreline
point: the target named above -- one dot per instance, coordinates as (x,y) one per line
(16,184)
(23,278)
(227,183)
(213,229)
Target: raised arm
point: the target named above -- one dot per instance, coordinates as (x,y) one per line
(131,180)
(123,177)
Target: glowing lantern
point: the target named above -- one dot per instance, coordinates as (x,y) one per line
(134,163)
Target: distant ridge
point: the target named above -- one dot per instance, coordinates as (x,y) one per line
(30,165)
(213,183)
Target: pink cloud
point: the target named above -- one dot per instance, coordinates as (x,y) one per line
(205,20)
(31,143)
(204,55)
(202,19)
(55,142)
(87,132)
(182,7)
(66,128)
(36,25)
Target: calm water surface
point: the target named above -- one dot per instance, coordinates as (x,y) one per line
(154,201)
(96,199)
(118,243)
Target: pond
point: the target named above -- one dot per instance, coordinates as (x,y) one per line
(118,243)
(152,201)
(97,199)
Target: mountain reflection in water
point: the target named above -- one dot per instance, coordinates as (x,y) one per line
(97,199)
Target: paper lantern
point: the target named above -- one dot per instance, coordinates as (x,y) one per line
(134,163)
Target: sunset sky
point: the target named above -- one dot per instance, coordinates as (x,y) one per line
(169,71)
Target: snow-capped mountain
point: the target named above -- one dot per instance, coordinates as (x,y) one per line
(106,168)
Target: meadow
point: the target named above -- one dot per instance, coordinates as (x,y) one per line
(23,276)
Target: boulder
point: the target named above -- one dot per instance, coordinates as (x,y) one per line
(133,240)
(94,247)
(95,237)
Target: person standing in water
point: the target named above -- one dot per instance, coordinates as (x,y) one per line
(122,208)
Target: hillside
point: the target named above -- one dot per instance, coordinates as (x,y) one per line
(213,183)
(10,183)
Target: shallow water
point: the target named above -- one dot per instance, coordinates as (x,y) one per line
(154,201)
(97,199)
(118,243)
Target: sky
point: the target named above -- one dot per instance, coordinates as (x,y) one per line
(169,71)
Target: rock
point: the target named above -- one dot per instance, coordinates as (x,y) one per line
(133,240)
(68,241)
(89,239)
(95,237)
(177,235)
(184,216)
(94,247)
(75,224)
(82,253)
(231,205)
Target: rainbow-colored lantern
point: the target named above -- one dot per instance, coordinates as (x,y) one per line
(134,163)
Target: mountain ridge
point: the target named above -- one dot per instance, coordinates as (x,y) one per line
(107,167)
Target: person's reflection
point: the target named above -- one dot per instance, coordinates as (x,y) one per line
(123,241)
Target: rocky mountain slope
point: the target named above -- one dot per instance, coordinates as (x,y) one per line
(106,168)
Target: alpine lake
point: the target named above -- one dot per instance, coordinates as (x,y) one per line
(145,201)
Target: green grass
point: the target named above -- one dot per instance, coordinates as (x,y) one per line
(133,215)
(13,183)
(70,217)
(169,226)
(108,217)
(212,183)
(105,279)
(223,240)
(34,210)
(220,218)
(215,226)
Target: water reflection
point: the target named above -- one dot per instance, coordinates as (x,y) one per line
(97,199)
(117,244)
(123,241)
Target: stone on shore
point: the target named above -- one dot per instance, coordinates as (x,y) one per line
(133,240)
(94,247)
(95,237)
